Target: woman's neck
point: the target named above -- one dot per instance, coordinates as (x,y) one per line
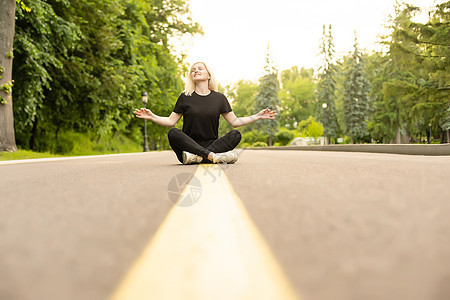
(202,88)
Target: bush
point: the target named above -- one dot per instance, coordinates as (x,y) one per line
(244,145)
(259,144)
(254,136)
(284,136)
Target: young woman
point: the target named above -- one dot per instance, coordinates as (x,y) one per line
(201,106)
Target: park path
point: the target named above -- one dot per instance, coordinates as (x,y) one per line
(334,225)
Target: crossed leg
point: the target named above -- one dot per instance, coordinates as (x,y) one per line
(179,141)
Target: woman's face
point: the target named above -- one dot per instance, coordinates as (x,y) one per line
(199,72)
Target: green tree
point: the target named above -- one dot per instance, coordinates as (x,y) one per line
(383,118)
(297,97)
(268,97)
(315,130)
(413,76)
(356,97)
(81,66)
(326,86)
(424,49)
(243,102)
(310,128)
(42,42)
(393,87)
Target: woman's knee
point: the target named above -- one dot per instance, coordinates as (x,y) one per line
(173,132)
(235,135)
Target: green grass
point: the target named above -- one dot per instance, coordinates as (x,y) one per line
(25,154)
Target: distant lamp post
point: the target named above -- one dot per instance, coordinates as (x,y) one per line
(144,96)
(324,106)
(429,141)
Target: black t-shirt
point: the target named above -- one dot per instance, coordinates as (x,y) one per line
(201,114)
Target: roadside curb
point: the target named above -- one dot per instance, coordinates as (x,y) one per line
(408,149)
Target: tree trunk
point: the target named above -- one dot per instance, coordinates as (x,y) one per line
(7,22)
(398,136)
(405,139)
(33,134)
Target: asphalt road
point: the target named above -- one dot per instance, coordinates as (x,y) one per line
(342,225)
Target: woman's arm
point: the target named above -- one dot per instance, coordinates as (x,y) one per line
(169,121)
(236,122)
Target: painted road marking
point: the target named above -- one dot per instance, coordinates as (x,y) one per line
(210,250)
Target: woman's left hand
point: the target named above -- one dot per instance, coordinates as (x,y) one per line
(267,114)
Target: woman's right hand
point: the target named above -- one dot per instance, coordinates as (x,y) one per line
(144,113)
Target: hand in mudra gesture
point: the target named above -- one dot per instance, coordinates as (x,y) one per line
(267,114)
(143,113)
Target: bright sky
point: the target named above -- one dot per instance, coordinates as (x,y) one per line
(237,32)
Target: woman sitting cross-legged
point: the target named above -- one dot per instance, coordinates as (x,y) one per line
(201,105)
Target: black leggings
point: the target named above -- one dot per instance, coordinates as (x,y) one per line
(179,141)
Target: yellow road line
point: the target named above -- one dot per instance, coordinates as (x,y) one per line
(210,250)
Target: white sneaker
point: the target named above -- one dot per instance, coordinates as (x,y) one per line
(229,157)
(189,158)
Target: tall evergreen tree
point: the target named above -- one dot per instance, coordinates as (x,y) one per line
(326,86)
(356,96)
(268,97)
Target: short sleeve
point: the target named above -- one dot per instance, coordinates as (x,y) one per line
(179,106)
(225,105)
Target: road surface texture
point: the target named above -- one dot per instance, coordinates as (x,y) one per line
(341,225)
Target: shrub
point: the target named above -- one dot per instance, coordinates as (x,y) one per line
(254,136)
(245,145)
(259,144)
(284,136)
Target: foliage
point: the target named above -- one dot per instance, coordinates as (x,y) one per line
(414,88)
(243,98)
(254,136)
(81,66)
(267,97)
(25,154)
(297,97)
(302,127)
(326,86)
(356,96)
(3,100)
(315,130)
(259,144)
(23,5)
(310,128)
(285,136)
(7,87)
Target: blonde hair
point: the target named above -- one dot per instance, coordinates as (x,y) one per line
(189,86)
